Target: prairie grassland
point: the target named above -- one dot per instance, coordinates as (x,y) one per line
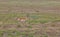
(43,18)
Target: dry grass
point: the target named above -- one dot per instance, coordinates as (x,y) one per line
(43,18)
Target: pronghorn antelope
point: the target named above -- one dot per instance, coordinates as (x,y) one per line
(23,19)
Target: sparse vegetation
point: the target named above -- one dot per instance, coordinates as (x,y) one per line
(43,16)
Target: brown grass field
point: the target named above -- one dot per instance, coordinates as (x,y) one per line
(29,18)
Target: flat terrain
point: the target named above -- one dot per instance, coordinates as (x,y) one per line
(42,18)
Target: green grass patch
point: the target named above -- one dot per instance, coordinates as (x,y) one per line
(10,18)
